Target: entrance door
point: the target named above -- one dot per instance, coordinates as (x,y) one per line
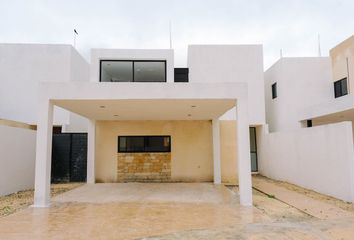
(253,148)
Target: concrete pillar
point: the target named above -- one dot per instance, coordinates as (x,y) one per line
(91,143)
(43,154)
(243,153)
(216,151)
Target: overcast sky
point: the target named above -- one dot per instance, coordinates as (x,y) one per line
(291,25)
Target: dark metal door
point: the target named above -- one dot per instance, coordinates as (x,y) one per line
(69,157)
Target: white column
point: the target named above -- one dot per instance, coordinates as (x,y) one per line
(243,153)
(216,151)
(43,154)
(91,142)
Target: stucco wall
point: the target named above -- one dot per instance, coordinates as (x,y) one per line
(319,158)
(17,159)
(231,63)
(228,141)
(301,83)
(23,66)
(191,144)
(342,57)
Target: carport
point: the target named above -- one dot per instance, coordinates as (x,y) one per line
(143,101)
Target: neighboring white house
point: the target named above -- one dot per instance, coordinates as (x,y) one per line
(292,85)
(24,66)
(151,122)
(310,113)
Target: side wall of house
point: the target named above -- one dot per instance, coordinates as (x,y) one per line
(343,62)
(23,66)
(17,161)
(318,158)
(301,83)
(191,148)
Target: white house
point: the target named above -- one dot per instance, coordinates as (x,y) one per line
(151,122)
(24,66)
(310,113)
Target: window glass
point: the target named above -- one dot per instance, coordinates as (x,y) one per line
(133,71)
(116,71)
(149,71)
(144,144)
(340,88)
(135,144)
(274,90)
(157,143)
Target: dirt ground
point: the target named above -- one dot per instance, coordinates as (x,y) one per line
(309,193)
(276,210)
(20,200)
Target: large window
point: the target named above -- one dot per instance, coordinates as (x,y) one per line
(144,144)
(340,88)
(132,71)
(274,91)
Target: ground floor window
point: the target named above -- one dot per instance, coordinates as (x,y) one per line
(144,144)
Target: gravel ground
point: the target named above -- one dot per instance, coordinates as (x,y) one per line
(20,200)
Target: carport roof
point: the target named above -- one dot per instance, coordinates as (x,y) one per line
(145,101)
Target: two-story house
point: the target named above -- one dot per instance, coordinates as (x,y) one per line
(149,121)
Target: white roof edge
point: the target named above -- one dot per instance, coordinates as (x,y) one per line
(334,106)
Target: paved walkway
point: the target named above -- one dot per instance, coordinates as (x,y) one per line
(316,208)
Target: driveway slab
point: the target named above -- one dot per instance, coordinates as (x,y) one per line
(130,211)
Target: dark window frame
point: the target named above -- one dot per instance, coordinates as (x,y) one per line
(145,144)
(342,91)
(254,129)
(274,90)
(133,64)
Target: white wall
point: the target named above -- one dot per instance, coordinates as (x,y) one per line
(301,82)
(131,54)
(23,66)
(17,159)
(319,158)
(231,63)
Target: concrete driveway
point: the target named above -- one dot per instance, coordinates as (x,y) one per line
(166,211)
(130,211)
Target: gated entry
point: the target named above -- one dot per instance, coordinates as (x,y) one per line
(69,157)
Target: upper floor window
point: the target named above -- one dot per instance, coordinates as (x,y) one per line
(340,88)
(274,91)
(132,71)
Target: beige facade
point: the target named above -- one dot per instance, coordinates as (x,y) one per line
(191,158)
(343,62)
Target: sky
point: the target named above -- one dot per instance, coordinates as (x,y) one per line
(290,25)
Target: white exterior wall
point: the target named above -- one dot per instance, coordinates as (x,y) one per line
(230,64)
(301,83)
(131,54)
(23,66)
(320,158)
(17,149)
